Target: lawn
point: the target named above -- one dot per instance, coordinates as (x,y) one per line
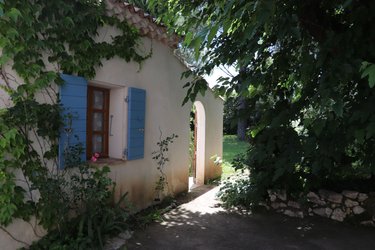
(231,147)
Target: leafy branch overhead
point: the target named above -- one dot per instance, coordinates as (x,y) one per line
(306,68)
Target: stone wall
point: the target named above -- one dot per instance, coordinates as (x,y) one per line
(345,206)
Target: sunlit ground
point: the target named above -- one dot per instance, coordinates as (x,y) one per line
(231,147)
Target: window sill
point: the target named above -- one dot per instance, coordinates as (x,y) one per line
(108,161)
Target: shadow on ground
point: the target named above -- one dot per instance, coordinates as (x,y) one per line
(203,224)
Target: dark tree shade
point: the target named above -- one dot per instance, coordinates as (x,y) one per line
(307,67)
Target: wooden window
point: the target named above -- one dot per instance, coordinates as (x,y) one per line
(97,121)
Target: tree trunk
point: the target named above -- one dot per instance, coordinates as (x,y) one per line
(242,121)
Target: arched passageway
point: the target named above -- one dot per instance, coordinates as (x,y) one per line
(198,164)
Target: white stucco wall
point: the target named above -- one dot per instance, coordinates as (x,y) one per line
(214,109)
(160,76)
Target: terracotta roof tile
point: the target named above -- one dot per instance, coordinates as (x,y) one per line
(142,21)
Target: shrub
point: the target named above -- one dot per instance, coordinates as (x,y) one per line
(236,191)
(82,210)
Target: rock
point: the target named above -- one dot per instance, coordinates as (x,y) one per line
(314,198)
(348,211)
(263,204)
(350,194)
(358,210)
(126,235)
(281,195)
(338,214)
(369,205)
(325,212)
(282,204)
(272,197)
(275,205)
(291,213)
(368,223)
(300,214)
(309,210)
(118,241)
(331,196)
(362,197)
(318,202)
(312,195)
(351,203)
(294,204)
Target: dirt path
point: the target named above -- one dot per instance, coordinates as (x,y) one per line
(203,224)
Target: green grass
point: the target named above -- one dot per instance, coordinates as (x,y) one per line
(231,147)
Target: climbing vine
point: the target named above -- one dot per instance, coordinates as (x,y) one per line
(160,156)
(39,39)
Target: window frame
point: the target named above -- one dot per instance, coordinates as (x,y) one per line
(89,124)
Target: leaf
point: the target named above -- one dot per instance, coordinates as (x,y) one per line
(370,130)
(14,14)
(196,44)
(212,34)
(360,135)
(278,173)
(256,130)
(3,42)
(68,22)
(4,59)
(1,9)
(188,38)
(338,108)
(318,126)
(12,33)
(368,70)
(202,91)
(227,25)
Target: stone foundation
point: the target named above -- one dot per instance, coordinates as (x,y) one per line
(345,206)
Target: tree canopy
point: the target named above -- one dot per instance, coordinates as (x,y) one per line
(307,67)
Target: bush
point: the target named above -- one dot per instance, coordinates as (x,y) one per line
(237,191)
(277,160)
(83,211)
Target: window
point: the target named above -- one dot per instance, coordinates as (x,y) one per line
(86,121)
(97,121)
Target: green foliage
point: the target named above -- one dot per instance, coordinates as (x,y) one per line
(161,158)
(368,70)
(237,191)
(81,210)
(230,118)
(65,31)
(191,152)
(38,40)
(306,68)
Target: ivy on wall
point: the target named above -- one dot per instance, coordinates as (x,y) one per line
(38,40)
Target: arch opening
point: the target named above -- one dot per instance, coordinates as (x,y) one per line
(199,137)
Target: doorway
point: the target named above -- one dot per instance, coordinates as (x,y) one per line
(198,146)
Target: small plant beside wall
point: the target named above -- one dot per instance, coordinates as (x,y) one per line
(161,158)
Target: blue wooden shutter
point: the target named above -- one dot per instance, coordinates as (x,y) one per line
(136,123)
(73,97)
